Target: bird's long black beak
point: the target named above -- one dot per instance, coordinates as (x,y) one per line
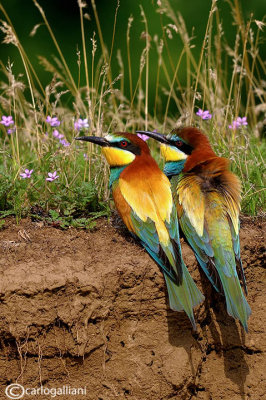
(94,139)
(155,135)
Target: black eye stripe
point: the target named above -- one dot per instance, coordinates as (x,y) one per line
(128,146)
(184,147)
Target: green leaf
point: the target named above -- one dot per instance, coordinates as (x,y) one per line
(54,215)
(4,214)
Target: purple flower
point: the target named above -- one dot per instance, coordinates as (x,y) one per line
(234,125)
(81,124)
(204,114)
(64,142)
(57,135)
(52,176)
(11,130)
(60,136)
(242,121)
(86,157)
(26,174)
(7,120)
(238,122)
(143,136)
(53,121)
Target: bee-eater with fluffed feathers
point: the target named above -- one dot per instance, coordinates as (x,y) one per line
(143,198)
(207,197)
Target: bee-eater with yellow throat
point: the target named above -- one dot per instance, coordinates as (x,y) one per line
(207,198)
(143,198)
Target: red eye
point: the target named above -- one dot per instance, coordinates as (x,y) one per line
(179,143)
(124,143)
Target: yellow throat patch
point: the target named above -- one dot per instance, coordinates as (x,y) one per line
(117,157)
(170,153)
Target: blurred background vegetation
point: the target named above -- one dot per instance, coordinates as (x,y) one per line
(122,66)
(64,19)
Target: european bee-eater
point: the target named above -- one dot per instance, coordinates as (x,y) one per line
(143,198)
(207,198)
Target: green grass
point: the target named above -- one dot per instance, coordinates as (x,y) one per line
(230,88)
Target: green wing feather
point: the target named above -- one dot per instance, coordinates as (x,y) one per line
(224,259)
(217,249)
(182,290)
(146,206)
(236,246)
